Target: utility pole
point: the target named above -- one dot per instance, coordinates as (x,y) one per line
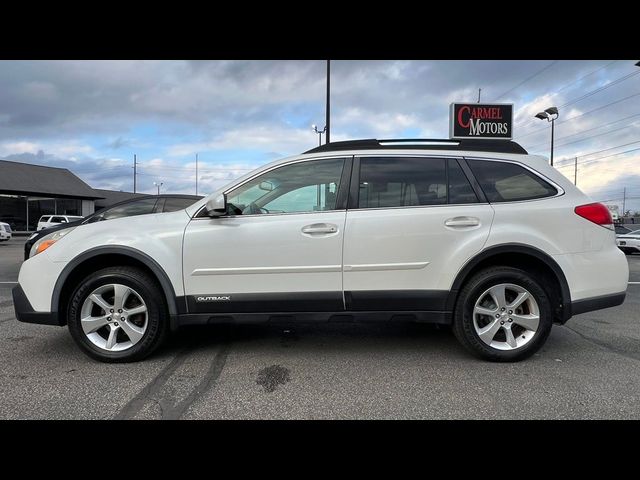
(135,163)
(479,91)
(327,140)
(575,171)
(624,200)
(196,174)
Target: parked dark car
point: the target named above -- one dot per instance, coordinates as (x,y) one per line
(127,208)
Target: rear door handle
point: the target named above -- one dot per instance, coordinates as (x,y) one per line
(461,222)
(320,228)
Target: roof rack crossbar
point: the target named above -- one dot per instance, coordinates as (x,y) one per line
(478,145)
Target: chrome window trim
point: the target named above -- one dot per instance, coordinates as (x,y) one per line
(369,154)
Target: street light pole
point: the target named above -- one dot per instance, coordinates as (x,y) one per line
(328,100)
(550,115)
(320,132)
(553,122)
(158,185)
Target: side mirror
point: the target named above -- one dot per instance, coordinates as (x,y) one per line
(266,186)
(217,206)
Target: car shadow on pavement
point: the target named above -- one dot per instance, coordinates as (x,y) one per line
(357,335)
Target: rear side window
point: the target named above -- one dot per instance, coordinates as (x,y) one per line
(173,204)
(402,182)
(139,207)
(408,182)
(507,182)
(44,219)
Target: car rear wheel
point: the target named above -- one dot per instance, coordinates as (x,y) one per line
(502,314)
(118,315)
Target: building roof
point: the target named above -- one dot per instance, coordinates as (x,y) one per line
(25,179)
(109,197)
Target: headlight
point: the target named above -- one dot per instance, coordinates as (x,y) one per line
(48,240)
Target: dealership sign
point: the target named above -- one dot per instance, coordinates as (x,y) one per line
(481,120)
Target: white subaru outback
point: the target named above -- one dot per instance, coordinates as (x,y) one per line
(476,234)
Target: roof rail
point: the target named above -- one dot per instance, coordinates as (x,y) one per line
(477,145)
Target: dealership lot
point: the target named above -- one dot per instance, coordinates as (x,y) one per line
(587,369)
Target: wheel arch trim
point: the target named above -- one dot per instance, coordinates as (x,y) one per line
(134,254)
(464,272)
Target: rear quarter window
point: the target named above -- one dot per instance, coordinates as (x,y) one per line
(508,182)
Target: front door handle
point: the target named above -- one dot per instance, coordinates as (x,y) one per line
(460,222)
(319,228)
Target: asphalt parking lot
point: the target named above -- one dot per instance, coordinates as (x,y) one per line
(589,368)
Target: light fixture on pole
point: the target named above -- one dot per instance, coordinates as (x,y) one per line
(158,185)
(550,115)
(319,132)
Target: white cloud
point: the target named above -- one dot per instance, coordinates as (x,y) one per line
(9,148)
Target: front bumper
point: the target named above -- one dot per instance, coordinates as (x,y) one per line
(25,312)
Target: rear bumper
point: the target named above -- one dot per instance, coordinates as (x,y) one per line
(597,303)
(25,312)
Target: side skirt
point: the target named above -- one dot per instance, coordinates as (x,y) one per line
(442,318)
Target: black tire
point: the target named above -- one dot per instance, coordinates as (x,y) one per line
(157,315)
(464,329)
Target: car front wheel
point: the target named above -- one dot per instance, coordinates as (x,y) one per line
(502,314)
(118,314)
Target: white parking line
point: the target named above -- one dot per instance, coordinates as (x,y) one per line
(9,282)
(634,283)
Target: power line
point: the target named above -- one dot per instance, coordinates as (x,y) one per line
(528,78)
(588,130)
(583,77)
(580,115)
(600,89)
(593,136)
(605,149)
(587,162)
(571,83)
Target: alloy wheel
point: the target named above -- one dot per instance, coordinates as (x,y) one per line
(114,317)
(506,316)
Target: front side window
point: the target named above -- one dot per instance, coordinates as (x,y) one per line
(508,182)
(310,186)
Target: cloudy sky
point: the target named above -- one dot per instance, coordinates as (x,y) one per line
(92,116)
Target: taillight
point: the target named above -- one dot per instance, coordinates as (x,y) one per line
(596,213)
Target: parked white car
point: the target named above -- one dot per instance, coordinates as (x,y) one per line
(5,232)
(476,234)
(47,221)
(629,242)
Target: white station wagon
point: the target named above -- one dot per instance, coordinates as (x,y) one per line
(476,234)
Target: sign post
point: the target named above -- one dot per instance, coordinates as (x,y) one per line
(481,120)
